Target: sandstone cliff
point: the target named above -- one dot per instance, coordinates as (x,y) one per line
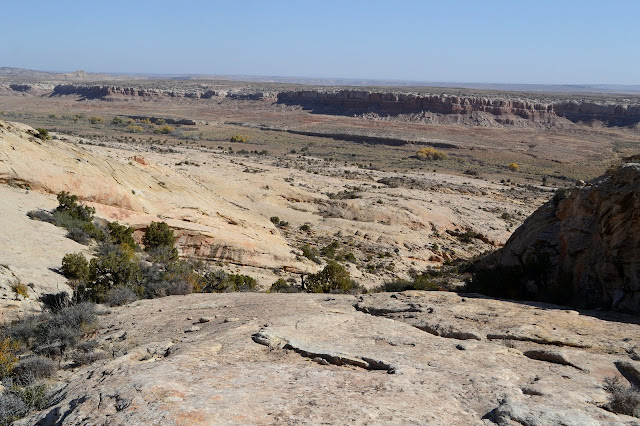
(581,248)
(497,109)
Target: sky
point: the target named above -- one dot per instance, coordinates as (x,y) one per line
(486,41)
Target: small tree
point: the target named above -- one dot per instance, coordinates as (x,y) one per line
(69,203)
(334,278)
(158,234)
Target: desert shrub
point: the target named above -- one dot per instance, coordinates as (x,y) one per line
(514,167)
(134,129)
(165,130)
(158,234)
(116,267)
(282,286)
(34,367)
(239,138)
(334,278)
(350,257)
(242,283)
(182,278)
(215,281)
(12,408)
(275,220)
(420,282)
(69,203)
(54,302)
(64,327)
(42,216)
(117,121)
(164,255)
(8,356)
(329,251)
(80,357)
(79,236)
(121,234)
(35,397)
(19,288)
(429,153)
(560,194)
(119,296)
(75,266)
(622,399)
(96,120)
(310,253)
(305,228)
(43,133)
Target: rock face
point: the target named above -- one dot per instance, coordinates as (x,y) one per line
(487,110)
(314,359)
(583,249)
(361,101)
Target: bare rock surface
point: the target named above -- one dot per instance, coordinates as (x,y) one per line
(315,359)
(30,252)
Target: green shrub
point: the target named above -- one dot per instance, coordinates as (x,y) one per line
(75,266)
(221,282)
(158,234)
(282,286)
(42,216)
(420,282)
(121,234)
(329,251)
(115,268)
(69,203)
(334,278)
(310,253)
(305,228)
(117,121)
(43,133)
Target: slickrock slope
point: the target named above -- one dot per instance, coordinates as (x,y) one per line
(137,192)
(317,359)
(30,252)
(583,249)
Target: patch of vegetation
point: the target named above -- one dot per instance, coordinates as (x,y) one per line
(429,153)
(165,130)
(334,278)
(622,399)
(310,253)
(75,267)
(239,138)
(43,134)
(118,121)
(514,167)
(283,286)
(158,235)
(134,129)
(96,120)
(31,350)
(420,282)
(20,289)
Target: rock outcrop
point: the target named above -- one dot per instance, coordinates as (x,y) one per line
(581,248)
(486,110)
(350,102)
(313,359)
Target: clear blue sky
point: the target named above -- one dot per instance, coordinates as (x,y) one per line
(560,41)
